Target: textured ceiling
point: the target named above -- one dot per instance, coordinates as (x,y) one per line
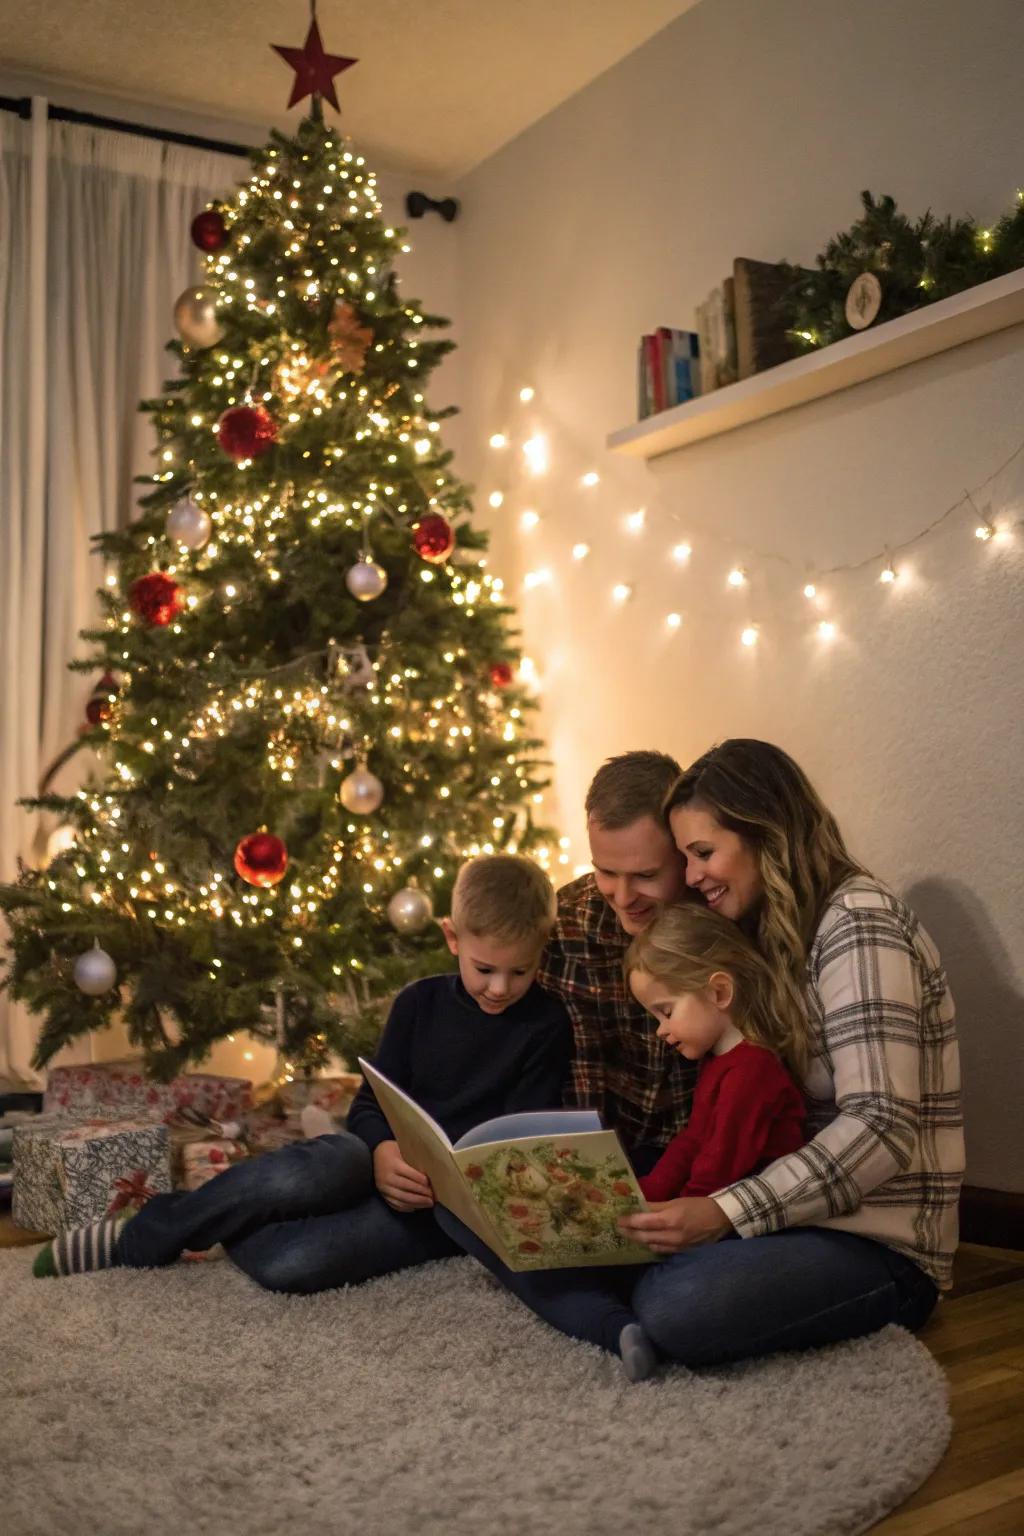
(441,84)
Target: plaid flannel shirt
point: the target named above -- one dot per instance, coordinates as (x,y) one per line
(883,1092)
(620,1068)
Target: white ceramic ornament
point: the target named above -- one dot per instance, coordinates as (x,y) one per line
(189,525)
(366,579)
(60,840)
(195,318)
(361,792)
(410,910)
(95,972)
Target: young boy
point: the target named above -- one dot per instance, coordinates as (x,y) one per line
(340,1209)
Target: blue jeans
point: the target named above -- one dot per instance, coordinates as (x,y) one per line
(732,1300)
(798,1289)
(589,1304)
(307,1218)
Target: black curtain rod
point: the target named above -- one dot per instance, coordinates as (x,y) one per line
(22,105)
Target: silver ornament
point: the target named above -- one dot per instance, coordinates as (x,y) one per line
(366,579)
(410,910)
(361,792)
(195,316)
(60,840)
(95,972)
(189,525)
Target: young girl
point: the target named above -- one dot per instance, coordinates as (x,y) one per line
(710,992)
(708,988)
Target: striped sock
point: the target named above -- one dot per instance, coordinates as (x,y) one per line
(85,1248)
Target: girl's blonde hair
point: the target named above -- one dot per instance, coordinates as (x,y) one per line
(758,791)
(687,944)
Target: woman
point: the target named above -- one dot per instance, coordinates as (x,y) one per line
(858,1228)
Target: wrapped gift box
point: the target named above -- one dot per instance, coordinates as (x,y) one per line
(334,1094)
(123,1086)
(201,1161)
(70,1170)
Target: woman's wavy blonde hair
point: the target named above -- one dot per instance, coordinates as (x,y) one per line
(756,790)
(687,944)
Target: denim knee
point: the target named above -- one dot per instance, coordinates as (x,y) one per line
(341,1162)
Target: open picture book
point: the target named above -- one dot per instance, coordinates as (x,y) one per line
(543,1190)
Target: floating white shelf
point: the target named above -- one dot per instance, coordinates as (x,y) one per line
(977,312)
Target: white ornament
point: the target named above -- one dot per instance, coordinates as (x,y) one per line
(95,972)
(366,579)
(60,840)
(863,301)
(410,910)
(195,317)
(189,525)
(361,792)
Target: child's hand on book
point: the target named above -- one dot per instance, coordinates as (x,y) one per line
(403,1187)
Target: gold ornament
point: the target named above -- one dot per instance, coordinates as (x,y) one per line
(349,340)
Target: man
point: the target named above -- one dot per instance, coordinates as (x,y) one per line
(620,1067)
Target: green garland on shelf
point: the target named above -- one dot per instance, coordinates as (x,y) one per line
(916,263)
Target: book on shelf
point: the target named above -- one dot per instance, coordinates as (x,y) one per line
(543,1190)
(668,370)
(762,331)
(716,327)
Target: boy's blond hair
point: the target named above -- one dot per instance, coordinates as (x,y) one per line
(503,896)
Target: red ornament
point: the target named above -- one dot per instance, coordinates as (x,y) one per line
(155,599)
(261,858)
(209,230)
(246,432)
(501,674)
(433,538)
(100,705)
(314,69)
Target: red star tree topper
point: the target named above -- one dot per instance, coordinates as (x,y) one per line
(314,69)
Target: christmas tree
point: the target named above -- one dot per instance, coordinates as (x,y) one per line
(309,712)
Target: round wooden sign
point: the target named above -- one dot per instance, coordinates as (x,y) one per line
(863,301)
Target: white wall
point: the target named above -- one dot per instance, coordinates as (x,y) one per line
(749,128)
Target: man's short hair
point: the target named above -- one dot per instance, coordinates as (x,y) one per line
(503,896)
(630,786)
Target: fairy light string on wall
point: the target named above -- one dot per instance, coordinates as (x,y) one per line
(811,584)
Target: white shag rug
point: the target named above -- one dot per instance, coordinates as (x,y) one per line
(187,1400)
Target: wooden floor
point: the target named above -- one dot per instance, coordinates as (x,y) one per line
(977,1336)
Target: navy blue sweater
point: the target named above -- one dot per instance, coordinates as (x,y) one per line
(463,1065)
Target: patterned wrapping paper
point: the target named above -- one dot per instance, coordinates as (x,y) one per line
(123,1086)
(72,1170)
(201,1161)
(334,1094)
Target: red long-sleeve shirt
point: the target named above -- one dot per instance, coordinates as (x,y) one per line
(747,1111)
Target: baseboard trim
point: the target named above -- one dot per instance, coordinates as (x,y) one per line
(993,1217)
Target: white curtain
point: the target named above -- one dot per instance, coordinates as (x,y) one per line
(106,240)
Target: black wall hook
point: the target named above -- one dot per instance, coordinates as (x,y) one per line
(418,203)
